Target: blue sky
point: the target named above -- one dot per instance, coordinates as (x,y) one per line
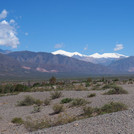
(86,26)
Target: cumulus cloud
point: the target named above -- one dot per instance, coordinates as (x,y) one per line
(60,45)
(118,47)
(3,14)
(8,34)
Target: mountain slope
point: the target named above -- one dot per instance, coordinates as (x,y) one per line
(123,65)
(4,51)
(104,59)
(9,66)
(47,62)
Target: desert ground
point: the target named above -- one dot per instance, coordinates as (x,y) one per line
(70,119)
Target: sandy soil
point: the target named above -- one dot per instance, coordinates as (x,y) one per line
(9,110)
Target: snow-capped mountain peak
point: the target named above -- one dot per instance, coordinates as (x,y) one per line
(69,54)
(96,55)
(107,55)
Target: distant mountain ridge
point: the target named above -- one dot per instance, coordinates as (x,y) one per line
(104,59)
(123,65)
(96,55)
(27,63)
(4,51)
(47,62)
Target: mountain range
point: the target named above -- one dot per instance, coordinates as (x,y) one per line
(104,59)
(32,64)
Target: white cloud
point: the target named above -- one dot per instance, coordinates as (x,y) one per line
(12,21)
(118,47)
(8,34)
(60,45)
(3,14)
(86,47)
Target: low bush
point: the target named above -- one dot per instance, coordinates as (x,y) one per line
(113,107)
(47,101)
(17,121)
(56,94)
(107,108)
(116,90)
(88,111)
(28,100)
(33,125)
(36,109)
(66,100)
(38,102)
(78,102)
(107,86)
(10,88)
(91,95)
(96,87)
(57,108)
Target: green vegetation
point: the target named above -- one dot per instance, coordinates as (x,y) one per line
(116,90)
(9,88)
(78,102)
(113,107)
(66,100)
(17,121)
(28,100)
(107,108)
(91,95)
(38,102)
(88,111)
(56,94)
(36,109)
(33,125)
(107,86)
(47,101)
(57,108)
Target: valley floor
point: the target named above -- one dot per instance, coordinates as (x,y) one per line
(115,123)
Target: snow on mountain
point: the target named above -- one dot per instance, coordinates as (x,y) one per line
(107,55)
(69,54)
(96,55)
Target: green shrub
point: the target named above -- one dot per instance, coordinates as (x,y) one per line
(17,121)
(47,102)
(36,84)
(21,88)
(107,86)
(91,95)
(78,102)
(66,100)
(113,107)
(33,125)
(88,111)
(57,108)
(87,84)
(28,100)
(38,102)
(96,87)
(36,109)
(10,88)
(56,94)
(107,108)
(116,90)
